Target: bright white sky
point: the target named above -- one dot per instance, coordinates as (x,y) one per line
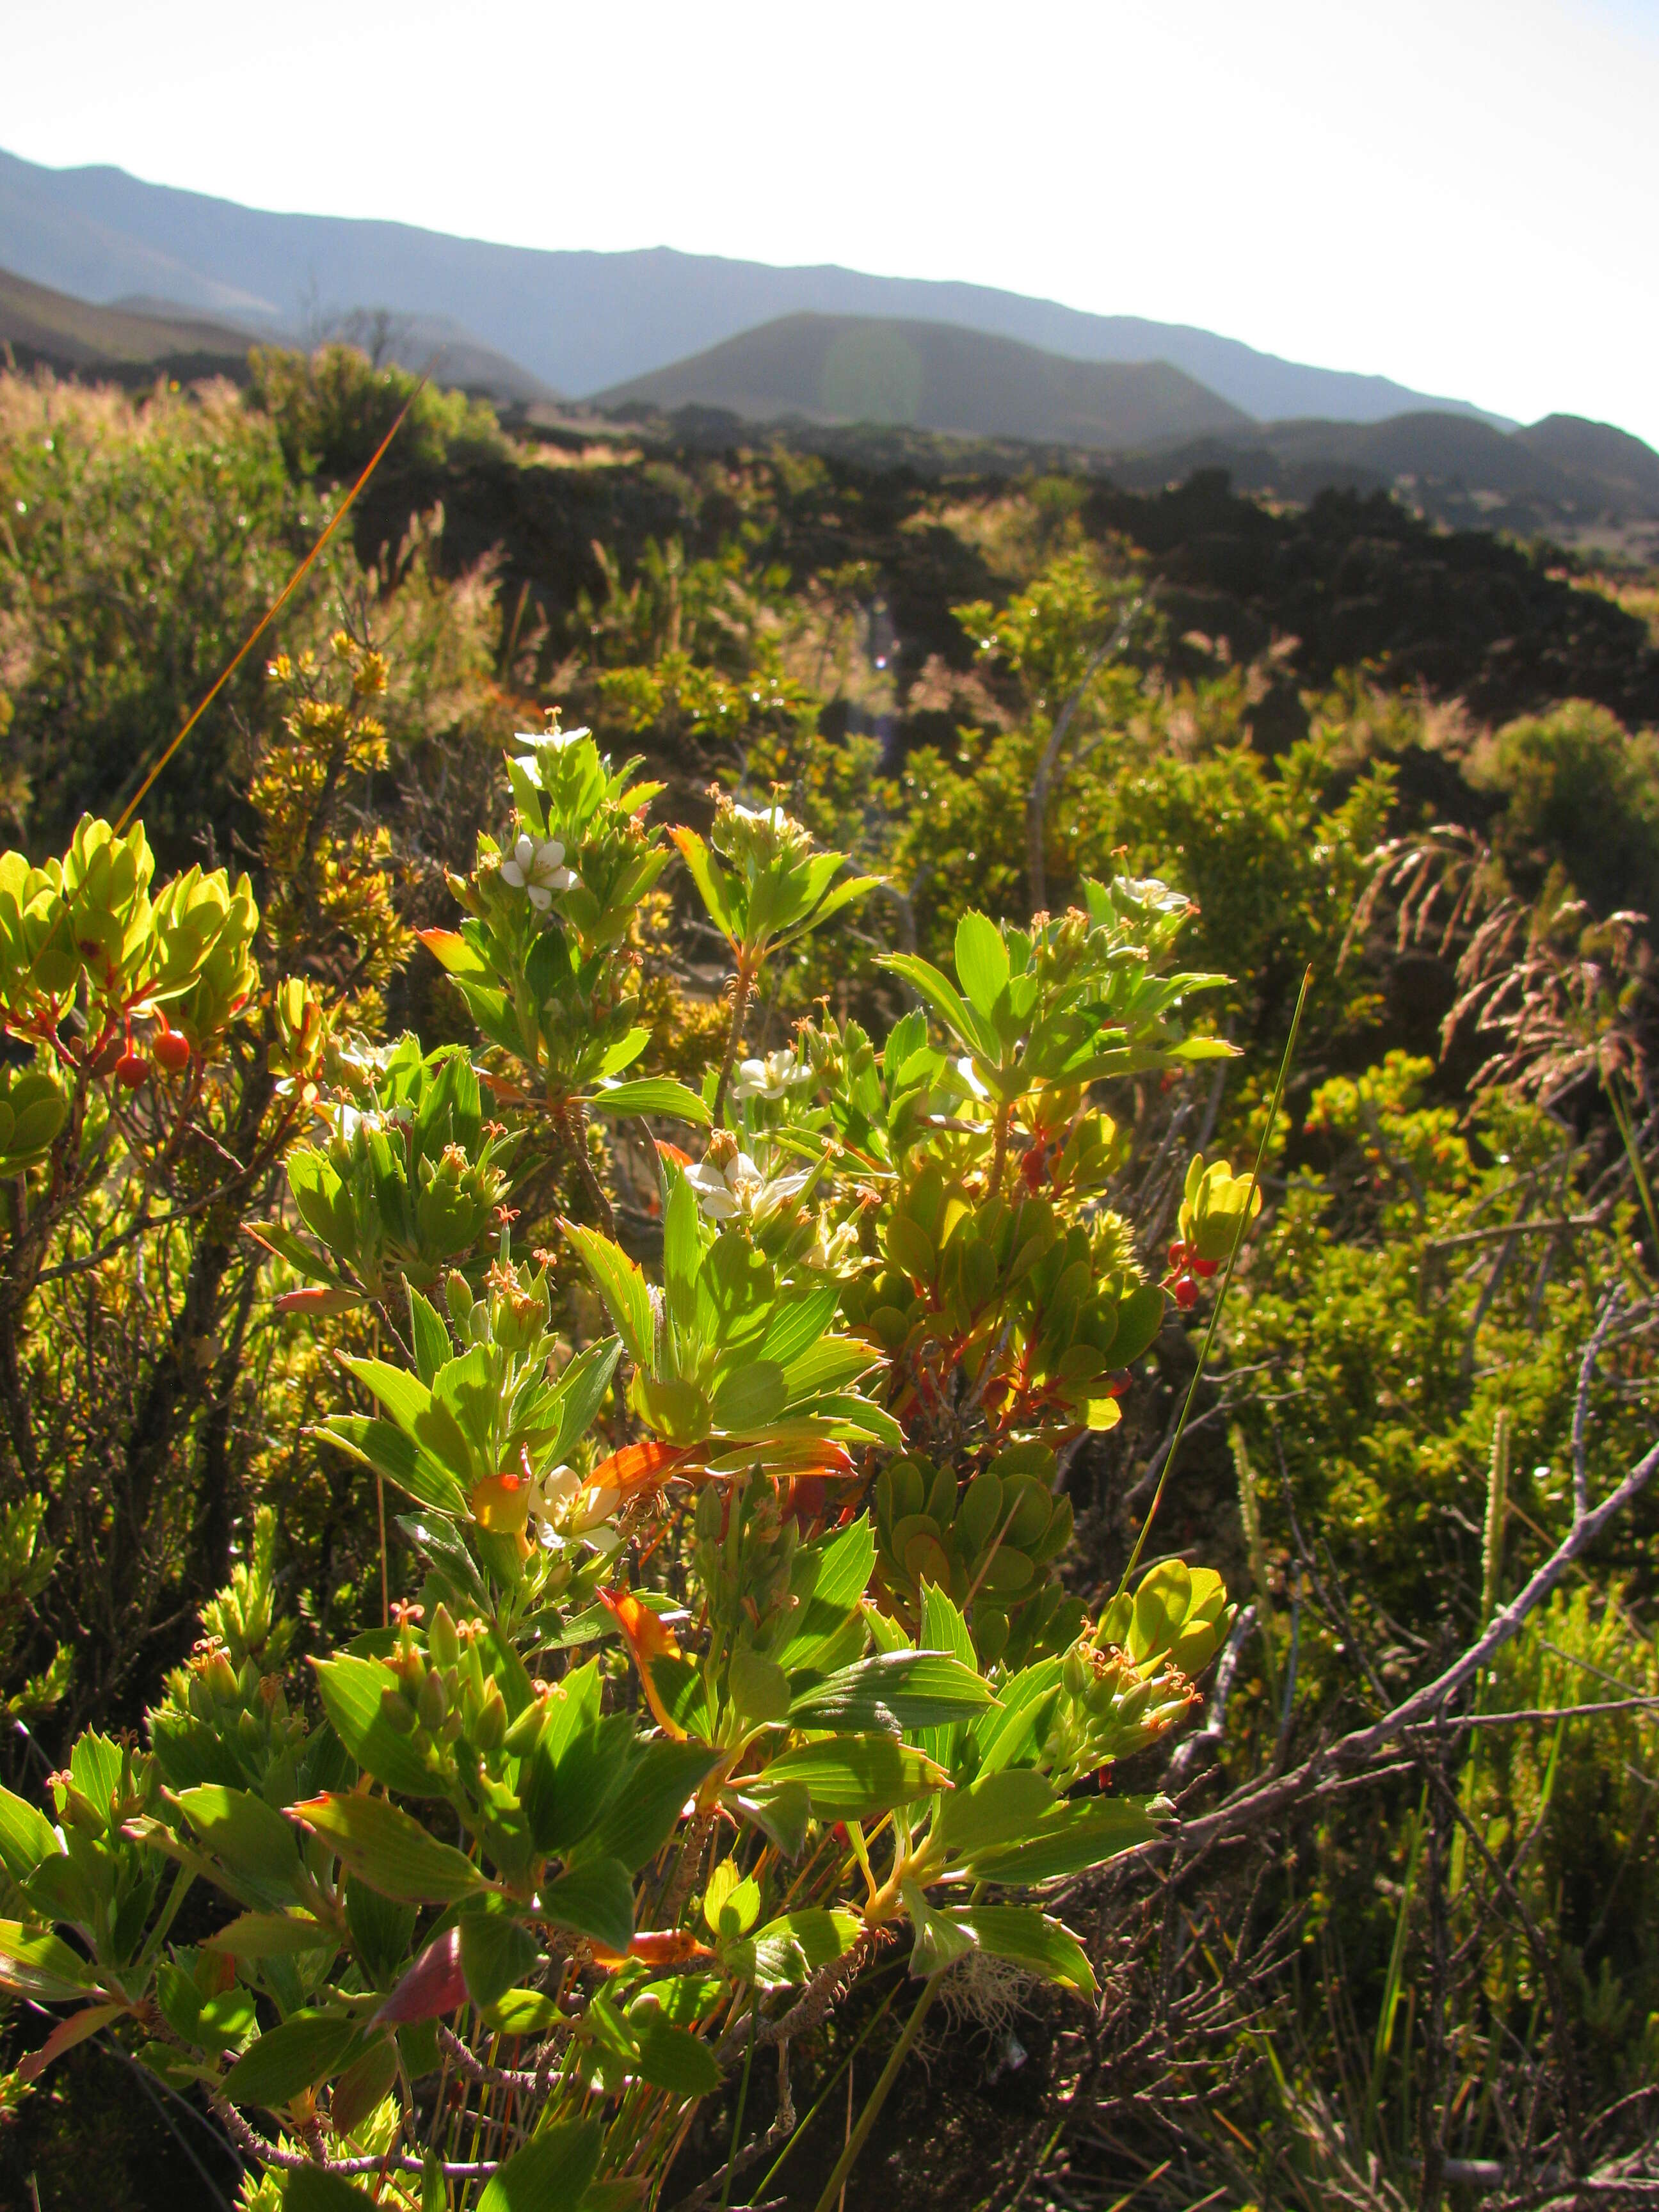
(1463,194)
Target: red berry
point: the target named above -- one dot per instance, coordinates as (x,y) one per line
(1177,1254)
(131,1070)
(1205,1266)
(172,1050)
(1186,1293)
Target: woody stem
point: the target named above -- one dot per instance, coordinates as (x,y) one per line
(573,1127)
(741,992)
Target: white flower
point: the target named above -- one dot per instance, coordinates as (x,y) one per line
(739,1188)
(764,817)
(538,742)
(769,1077)
(539,870)
(564,1507)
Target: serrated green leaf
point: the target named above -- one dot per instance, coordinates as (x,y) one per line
(981,962)
(790,1950)
(27,1837)
(250,1837)
(549,2174)
(651,1094)
(1068,1841)
(853,1777)
(673,2059)
(41,1966)
(642,1813)
(384,1846)
(273,1935)
(306,2049)
(385,1447)
(496,1953)
(1027,1937)
(623,1289)
(351,1691)
(893,1690)
(595,1898)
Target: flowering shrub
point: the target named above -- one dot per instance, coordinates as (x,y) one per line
(739,1662)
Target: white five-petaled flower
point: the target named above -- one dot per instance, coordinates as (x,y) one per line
(739,1188)
(769,1077)
(537,869)
(563,1507)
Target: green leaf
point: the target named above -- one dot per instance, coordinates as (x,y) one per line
(361,2088)
(431,1338)
(828,1578)
(496,1953)
(708,876)
(595,1898)
(943,1629)
(853,1777)
(382,1845)
(418,1413)
(981,962)
(27,1837)
(671,2059)
(751,1398)
(41,1966)
(939,1943)
(351,1691)
(577,1764)
(995,1809)
(650,1094)
(894,1691)
(642,1814)
(827,1363)
(273,1935)
(381,1930)
(855,887)
(779,1813)
(682,1251)
(1139,1317)
(580,1392)
(1069,1840)
(798,1322)
(253,1840)
(313,2189)
(1004,1737)
(759,1686)
(623,1289)
(384,1446)
(789,1951)
(926,981)
(1029,1938)
(549,2174)
(305,2049)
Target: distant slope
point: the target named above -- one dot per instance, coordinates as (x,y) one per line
(1623,464)
(860,368)
(48,325)
(583,322)
(140,330)
(1563,476)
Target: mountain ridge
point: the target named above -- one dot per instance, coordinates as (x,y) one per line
(579,321)
(937,376)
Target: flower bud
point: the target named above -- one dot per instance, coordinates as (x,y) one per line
(397,1711)
(489,1731)
(432,1704)
(521,1737)
(441,1640)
